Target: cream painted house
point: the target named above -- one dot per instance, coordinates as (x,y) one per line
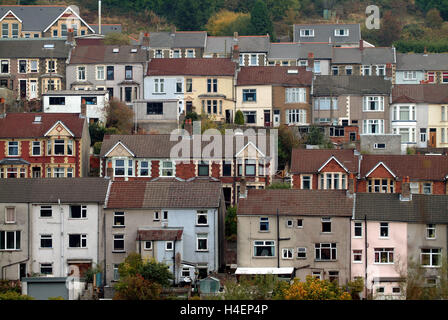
(255,101)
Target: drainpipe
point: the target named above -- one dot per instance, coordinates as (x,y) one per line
(104,249)
(28,245)
(365,255)
(174,261)
(62,237)
(278,241)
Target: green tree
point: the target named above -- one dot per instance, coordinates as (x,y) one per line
(119,116)
(117,38)
(96,131)
(279,185)
(193,14)
(433,19)
(390,30)
(287,140)
(239,117)
(315,289)
(260,19)
(137,288)
(231,223)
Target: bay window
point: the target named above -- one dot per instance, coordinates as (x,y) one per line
(403,113)
(296,116)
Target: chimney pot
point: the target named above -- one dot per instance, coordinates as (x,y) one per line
(243,189)
(405,189)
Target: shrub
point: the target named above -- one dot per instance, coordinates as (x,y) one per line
(239,117)
(12,295)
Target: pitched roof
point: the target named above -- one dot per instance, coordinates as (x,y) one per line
(159,234)
(418,93)
(325,32)
(34,18)
(50,190)
(191,67)
(368,55)
(388,207)
(320,50)
(107,28)
(219,45)
(179,39)
(274,75)
(309,161)
(422,61)
(94,54)
(424,167)
(33,48)
(254,43)
(23,125)
(353,84)
(296,202)
(347,55)
(165,193)
(289,50)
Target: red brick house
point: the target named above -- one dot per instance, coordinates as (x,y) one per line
(44,145)
(333,169)
(147,157)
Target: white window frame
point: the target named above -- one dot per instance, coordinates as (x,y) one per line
(431,227)
(409,75)
(388,251)
(119,214)
(15,240)
(199,214)
(295,95)
(46,237)
(162,168)
(82,236)
(357,225)
(98,74)
(287,253)
(344,34)
(6,215)
(379,103)
(266,243)
(307,32)
(139,162)
(145,245)
(169,243)
(358,253)
(202,236)
(118,237)
(301,250)
(296,116)
(81,70)
(367,126)
(432,252)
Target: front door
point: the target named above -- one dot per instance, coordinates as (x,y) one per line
(22,88)
(22,270)
(36,172)
(33,89)
(276,118)
(267,118)
(228,116)
(432,138)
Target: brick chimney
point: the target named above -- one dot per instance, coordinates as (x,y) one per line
(361,44)
(109,170)
(83,108)
(243,189)
(405,189)
(351,184)
(70,36)
(389,70)
(311,60)
(236,53)
(145,40)
(235,36)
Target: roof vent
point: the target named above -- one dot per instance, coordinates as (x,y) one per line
(133,50)
(293,71)
(37,119)
(116,50)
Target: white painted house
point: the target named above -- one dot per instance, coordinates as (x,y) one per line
(70,101)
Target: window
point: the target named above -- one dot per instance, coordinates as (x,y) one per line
(9,240)
(299,223)
(58,172)
(317,67)
(289,223)
(116,273)
(46,241)
(169,245)
(403,113)
(165,215)
(212,85)
(177,53)
(324,103)
(55,33)
(190,53)
(301,253)
(158,53)
(227,168)
(341,32)
(46,211)
(167,169)
(333,276)
(296,116)
(51,65)
(317,275)
(100,75)
(78,212)
(118,219)
(427,188)
(357,256)
(431,77)
(203,168)
(179,86)
(249,95)
(4,66)
(381,70)
(379,146)
(366,71)
(332,181)
(326,224)
(307,32)
(384,255)
(444,77)
(287,253)
(431,257)
(201,217)
(249,167)
(264,224)
(380,290)
(253,60)
(154,108)
(250,117)
(384,230)
(156,216)
(264,248)
(185,272)
(325,251)
(34,65)
(110,72)
(59,146)
(128,94)
(373,126)
(430,231)
(306,182)
(128,72)
(295,95)
(77,241)
(358,229)
(337,132)
(410,75)
(202,242)
(189,85)
(81,73)
(373,103)
(159,85)
(396,290)
(57,101)
(13,148)
(5,30)
(147,245)
(10,215)
(349,70)
(334,70)
(119,242)
(143,167)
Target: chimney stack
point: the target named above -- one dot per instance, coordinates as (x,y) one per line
(351,184)
(70,36)
(235,36)
(389,70)
(83,108)
(311,60)
(243,189)
(405,189)
(109,170)
(236,53)
(145,40)
(361,44)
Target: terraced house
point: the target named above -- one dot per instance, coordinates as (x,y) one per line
(175,44)
(38,145)
(418,68)
(32,67)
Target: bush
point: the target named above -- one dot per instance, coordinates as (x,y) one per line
(239,117)
(97,147)
(279,185)
(137,288)
(6,286)
(56,298)
(315,289)
(231,222)
(12,295)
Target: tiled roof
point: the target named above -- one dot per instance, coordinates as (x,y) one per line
(253,43)
(165,193)
(296,202)
(191,67)
(50,190)
(33,48)
(22,125)
(388,207)
(433,167)
(357,85)
(159,234)
(429,93)
(325,33)
(368,55)
(274,75)
(284,51)
(309,161)
(219,45)
(422,62)
(179,39)
(94,54)
(34,18)
(320,50)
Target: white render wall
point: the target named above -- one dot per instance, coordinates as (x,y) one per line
(60,252)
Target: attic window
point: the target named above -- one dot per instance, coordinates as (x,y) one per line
(133,50)
(116,50)
(293,71)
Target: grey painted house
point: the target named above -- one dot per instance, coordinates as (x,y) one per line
(176,44)
(177,222)
(118,69)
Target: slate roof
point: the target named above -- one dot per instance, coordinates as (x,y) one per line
(367,56)
(347,56)
(49,190)
(33,48)
(296,202)
(325,32)
(309,161)
(353,84)
(429,93)
(388,207)
(320,50)
(94,54)
(219,45)
(422,62)
(191,67)
(420,167)
(160,146)
(254,43)
(284,51)
(274,75)
(179,39)
(22,125)
(34,18)
(159,234)
(165,193)
(107,28)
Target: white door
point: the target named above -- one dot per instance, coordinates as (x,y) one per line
(276,118)
(33,89)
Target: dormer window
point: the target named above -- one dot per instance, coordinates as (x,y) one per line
(307,32)
(116,50)
(341,32)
